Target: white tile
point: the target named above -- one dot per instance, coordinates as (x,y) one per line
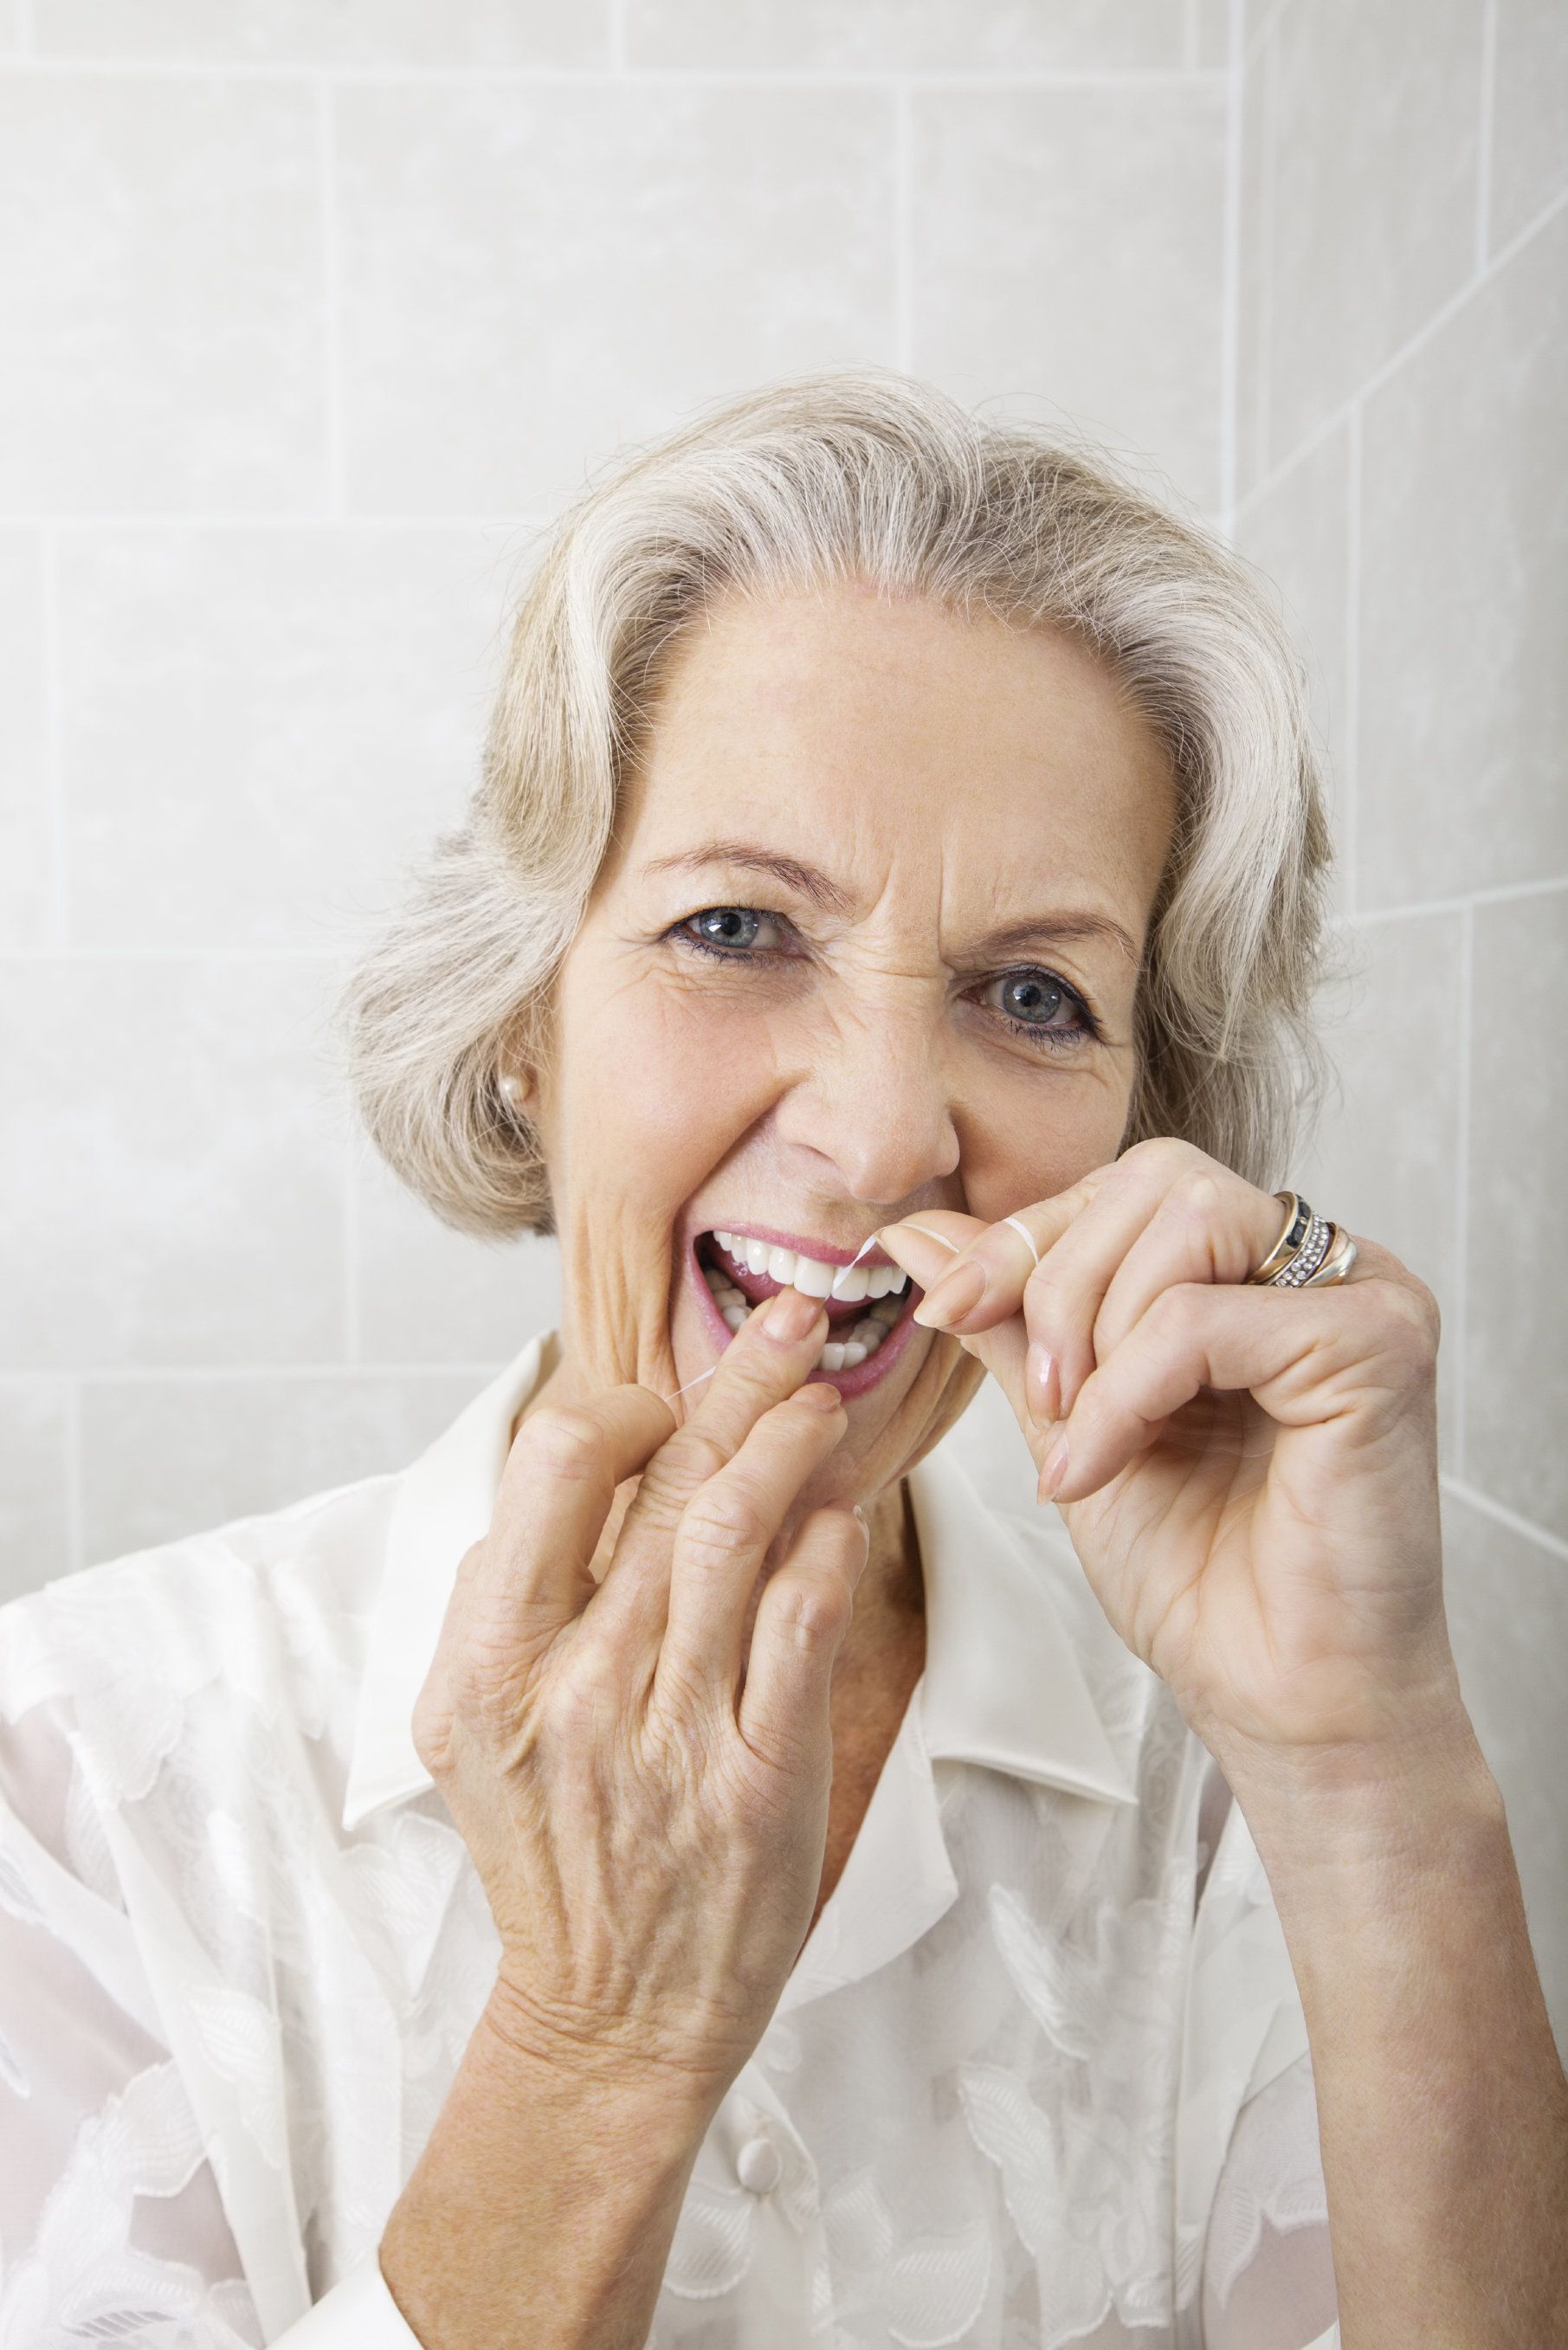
(26,841)
(170,1159)
(1530,113)
(1212,26)
(1254,200)
(342,32)
(1516,1370)
(1297,532)
(905,35)
(163,1458)
(1385,1161)
(532,277)
(34,1470)
(428,1295)
(1507,1605)
(1464,597)
(1377,141)
(1066,254)
(161,283)
(262,725)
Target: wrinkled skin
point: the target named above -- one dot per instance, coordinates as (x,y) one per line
(650,1806)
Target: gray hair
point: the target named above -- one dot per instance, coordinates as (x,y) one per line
(868,475)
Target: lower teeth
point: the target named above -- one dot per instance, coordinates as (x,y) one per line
(841,1354)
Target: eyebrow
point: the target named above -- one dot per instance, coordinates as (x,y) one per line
(816,888)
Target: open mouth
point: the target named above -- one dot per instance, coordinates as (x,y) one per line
(868,1306)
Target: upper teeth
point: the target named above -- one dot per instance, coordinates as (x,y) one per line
(810,1274)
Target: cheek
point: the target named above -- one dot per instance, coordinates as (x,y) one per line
(1028,1145)
(660,1086)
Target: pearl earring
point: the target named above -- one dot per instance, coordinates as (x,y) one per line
(512,1089)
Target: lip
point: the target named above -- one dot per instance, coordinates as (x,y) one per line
(860,1376)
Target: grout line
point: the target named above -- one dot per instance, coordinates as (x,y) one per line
(1350,769)
(903,226)
(1502,893)
(301,72)
(264,957)
(76,1545)
(230,1374)
(1484,135)
(352,1331)
(1269,111)
(1230,283)
(422,78)
(1190,36)
(1462,1178)
(1408,351)
(24,20)
(331,339)
(617,50)
(132,518)
(54,745)
(1503,1516)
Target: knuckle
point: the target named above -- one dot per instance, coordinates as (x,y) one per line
(726,1515)
(431,1727)
(1193,1197)
(818,1612)
(582,1693)
(563,1439)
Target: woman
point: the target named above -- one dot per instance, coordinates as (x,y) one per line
(681,1864)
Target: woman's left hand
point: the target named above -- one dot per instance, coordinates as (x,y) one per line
(1249,1475)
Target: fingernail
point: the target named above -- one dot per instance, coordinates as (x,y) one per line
(956,1293)
(788,1316)
(819,1395)
(1054,1470)
(1040,1383)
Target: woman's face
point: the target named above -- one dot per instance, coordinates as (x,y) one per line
(866,942)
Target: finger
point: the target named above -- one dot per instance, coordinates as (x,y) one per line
(773,1353)
(560,1480)
(801,1618)
(1307,1356)
(723,1538)
(1210,1225)
(985,1282)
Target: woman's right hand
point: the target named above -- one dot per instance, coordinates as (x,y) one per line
(646,1800)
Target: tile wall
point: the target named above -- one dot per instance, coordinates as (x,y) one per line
(315,312)
(1402,474)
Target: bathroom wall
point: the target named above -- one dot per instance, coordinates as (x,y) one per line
(1401,439)
(312,314)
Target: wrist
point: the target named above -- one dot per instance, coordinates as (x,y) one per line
(1409,1803)
(611,2085)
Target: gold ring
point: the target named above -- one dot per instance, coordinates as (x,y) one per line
(1293,1233)
(1335,1266)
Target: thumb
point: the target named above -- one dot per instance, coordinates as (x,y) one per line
(925,1247)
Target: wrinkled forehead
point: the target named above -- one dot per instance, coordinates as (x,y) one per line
(901,746)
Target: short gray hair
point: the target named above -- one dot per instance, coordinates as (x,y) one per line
(868,475)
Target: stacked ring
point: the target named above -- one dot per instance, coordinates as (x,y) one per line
(1311,1253)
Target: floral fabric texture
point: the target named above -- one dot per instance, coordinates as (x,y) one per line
(1040,2075)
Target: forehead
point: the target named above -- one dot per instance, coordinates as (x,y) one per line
(875,735)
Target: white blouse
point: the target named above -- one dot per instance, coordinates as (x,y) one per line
(1040,2074)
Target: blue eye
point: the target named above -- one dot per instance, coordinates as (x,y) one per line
(1035,1003)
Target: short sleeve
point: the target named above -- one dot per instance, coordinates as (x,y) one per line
(111,2224)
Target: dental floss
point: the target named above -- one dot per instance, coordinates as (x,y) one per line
(837,1276)
(854,1260)
(934,1236)
(1027,1234)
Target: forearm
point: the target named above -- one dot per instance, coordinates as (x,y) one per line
(1442,2106)
(540,2214)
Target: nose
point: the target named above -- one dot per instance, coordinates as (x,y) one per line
(874,1100)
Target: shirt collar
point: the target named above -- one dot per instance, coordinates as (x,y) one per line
(1003,1683)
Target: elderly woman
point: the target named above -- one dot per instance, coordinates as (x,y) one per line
(688,1862)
